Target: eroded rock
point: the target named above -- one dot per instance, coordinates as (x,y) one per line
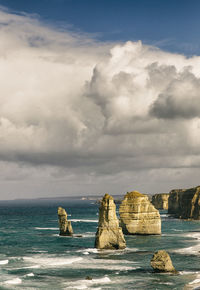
(185,203)
(64,225)
(109,235)
(161,262)
(138,215)
(160,200)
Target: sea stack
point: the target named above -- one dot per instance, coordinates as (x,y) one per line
(138,216)
(64,225)
(161,262)
(109,235)
(185,203)
(160,200)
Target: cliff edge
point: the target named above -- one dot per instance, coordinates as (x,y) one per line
(160,200)
(185,203)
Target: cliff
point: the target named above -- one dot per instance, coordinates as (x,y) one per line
(109,235)
(185,203)
(64,225)
(138,215)
(160,200)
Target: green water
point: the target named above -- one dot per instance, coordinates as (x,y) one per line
(33,256)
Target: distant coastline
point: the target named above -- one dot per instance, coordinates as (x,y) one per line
(79,197)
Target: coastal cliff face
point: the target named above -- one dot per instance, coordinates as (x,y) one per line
(185,203)
(160,200)
(64,225)
(109,235)
(138,215)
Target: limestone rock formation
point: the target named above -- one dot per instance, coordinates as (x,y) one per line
(174,201)
(138,215)
(109,235)
(160,200)
(185,203)
(64,224)
(161,262)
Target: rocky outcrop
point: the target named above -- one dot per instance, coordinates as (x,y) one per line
(109,235)
(160,200)
(174,201)
(138,215)
(185,203)
(161,262)
(64,225)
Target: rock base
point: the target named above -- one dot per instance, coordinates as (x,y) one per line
(161,262)
(112,239)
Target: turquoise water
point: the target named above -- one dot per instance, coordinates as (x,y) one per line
(33,256)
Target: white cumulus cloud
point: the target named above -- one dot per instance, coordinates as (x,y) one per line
(91,116)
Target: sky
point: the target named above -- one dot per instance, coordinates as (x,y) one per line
(98,96)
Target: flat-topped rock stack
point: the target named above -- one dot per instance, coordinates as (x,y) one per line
(138,215)
(185,203)
(160,200)
(109,235)
(64,225)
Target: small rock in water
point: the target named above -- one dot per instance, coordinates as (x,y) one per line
(88,278)
(161,262)
(64,224)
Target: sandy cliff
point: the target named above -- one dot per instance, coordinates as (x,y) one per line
(109,235)
(138,215)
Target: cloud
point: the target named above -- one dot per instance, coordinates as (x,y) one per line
(77,112)
(181,97)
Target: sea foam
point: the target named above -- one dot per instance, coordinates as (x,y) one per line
(89,250)
(83,221)
(188,272)
(195,282)
(84,284)
(31,267)
(51,229)
(195,249)
(29,275)
(14,281)
(52,261)
(3,262)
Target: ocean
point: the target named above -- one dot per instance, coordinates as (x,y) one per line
(34,256)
